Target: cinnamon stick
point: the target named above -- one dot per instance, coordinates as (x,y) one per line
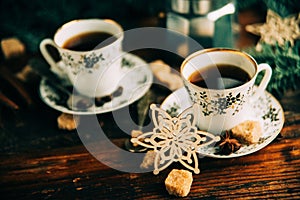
(6,75)
(7,102)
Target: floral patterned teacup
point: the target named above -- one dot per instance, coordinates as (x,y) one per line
(94,72)
(222,108)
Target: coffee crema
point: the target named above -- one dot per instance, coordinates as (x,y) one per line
(89,41)
(219,76)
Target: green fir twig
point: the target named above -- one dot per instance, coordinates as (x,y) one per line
(285,62)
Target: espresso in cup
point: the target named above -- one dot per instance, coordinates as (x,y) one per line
(219,76)
(89,41)
(221,82)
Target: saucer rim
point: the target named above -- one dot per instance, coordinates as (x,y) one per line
(126,72)
(266,142)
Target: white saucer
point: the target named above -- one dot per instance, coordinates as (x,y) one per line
(136,81)
(266,109)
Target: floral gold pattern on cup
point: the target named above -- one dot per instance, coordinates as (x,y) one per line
(220,103)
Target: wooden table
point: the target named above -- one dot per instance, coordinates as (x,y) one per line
(72,172)
(39,161)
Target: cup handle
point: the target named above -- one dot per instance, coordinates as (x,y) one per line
(54,66)
(264,82)
(45,53)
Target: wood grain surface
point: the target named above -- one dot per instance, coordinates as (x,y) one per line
(273,172)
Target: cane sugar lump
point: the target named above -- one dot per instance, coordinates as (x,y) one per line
(248,132)
(179,182)
(164,74)
(12,47)
(148,160)
(135,134)
(67,121)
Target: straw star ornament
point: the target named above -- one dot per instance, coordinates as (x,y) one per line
(277,29)
(175,139)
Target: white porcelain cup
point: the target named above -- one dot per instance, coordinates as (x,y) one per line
(94,72)
(221,109)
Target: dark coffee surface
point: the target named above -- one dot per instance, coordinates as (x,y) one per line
(220,76)
(89,41)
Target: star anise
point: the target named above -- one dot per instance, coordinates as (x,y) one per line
(227,145)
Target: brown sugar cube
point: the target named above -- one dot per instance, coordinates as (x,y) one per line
(179,182)
(148,160)
(247,132)
(159,66)
(135,134)
(27,74)
(12,47)
(163,73)
(67,121)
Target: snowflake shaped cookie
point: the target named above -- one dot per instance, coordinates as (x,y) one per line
(277,29)
(175,139)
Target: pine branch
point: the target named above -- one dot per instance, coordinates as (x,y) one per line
(285,62)
(283,7)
